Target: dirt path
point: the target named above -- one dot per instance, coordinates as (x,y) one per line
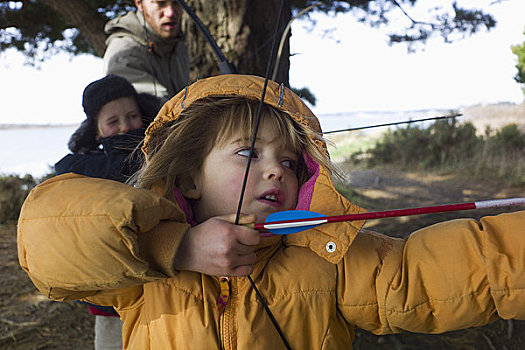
(385,188)
(428,188)
(30,321)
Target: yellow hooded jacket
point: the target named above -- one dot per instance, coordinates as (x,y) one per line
(113,244)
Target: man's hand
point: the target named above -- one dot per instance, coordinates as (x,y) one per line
(218,247)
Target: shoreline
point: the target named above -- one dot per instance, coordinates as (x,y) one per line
(11,126)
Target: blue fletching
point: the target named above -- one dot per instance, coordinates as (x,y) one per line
(291,215)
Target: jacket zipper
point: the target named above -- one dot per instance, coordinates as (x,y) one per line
(225,312)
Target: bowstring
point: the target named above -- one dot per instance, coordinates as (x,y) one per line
(252,149)
(259,110)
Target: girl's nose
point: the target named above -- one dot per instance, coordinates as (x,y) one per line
(274,171)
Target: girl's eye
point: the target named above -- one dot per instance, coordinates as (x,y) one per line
(289,163)
(246,153)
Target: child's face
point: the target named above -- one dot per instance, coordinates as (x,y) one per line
(118,117)
(272,182)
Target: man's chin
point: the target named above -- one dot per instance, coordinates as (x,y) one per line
(166,34)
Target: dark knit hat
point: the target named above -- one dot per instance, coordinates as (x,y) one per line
(84,139)
(105,90)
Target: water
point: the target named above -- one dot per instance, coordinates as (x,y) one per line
(338,121)
(34,150)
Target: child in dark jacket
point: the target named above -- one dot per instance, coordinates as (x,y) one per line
(102,146)
(116,118)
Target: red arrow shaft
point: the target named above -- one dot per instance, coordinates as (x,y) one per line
(403,212)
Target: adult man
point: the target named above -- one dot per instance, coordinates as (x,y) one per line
(146,47)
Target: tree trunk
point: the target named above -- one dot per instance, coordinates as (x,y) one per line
(243,30)
(81,15)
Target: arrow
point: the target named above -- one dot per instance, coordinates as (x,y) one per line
(395,123)
(293,221)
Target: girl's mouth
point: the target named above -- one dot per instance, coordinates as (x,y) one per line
(273,198)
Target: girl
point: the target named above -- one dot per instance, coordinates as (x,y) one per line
(170,260)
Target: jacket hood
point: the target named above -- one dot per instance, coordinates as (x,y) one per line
(317,194)
(249,86)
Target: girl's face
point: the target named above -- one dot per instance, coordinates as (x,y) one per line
(118,117)
(272,182)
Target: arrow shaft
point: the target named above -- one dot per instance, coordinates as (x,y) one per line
(403,212)
(264,226)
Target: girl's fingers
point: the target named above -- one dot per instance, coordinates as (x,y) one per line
(243,219)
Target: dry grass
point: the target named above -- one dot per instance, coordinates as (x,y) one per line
(495,116)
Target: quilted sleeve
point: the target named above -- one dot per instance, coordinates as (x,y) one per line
(448,276)
(79,236)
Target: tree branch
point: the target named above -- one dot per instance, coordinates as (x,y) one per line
(80,15)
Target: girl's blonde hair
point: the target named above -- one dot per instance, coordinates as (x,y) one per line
(178,151)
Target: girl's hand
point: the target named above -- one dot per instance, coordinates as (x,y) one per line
(218,247)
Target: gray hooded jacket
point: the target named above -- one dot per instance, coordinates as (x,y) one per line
(162,72)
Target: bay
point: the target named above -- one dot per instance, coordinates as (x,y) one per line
(35,149)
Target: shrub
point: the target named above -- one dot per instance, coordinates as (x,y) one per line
(13,191)
(447,145)
(444,142)
(508,139)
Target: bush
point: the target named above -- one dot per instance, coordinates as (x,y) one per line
(444,142)
(13,191)
(508,139)
(447,145)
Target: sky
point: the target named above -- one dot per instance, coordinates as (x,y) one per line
(351,70)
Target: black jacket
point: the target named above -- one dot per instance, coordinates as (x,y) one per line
(115,158)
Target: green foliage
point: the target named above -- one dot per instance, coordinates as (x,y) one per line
(447,145)
(35,29)
(447,23)
(13,191)
(459,22)
(519,51)
(508,139)
(444,142)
